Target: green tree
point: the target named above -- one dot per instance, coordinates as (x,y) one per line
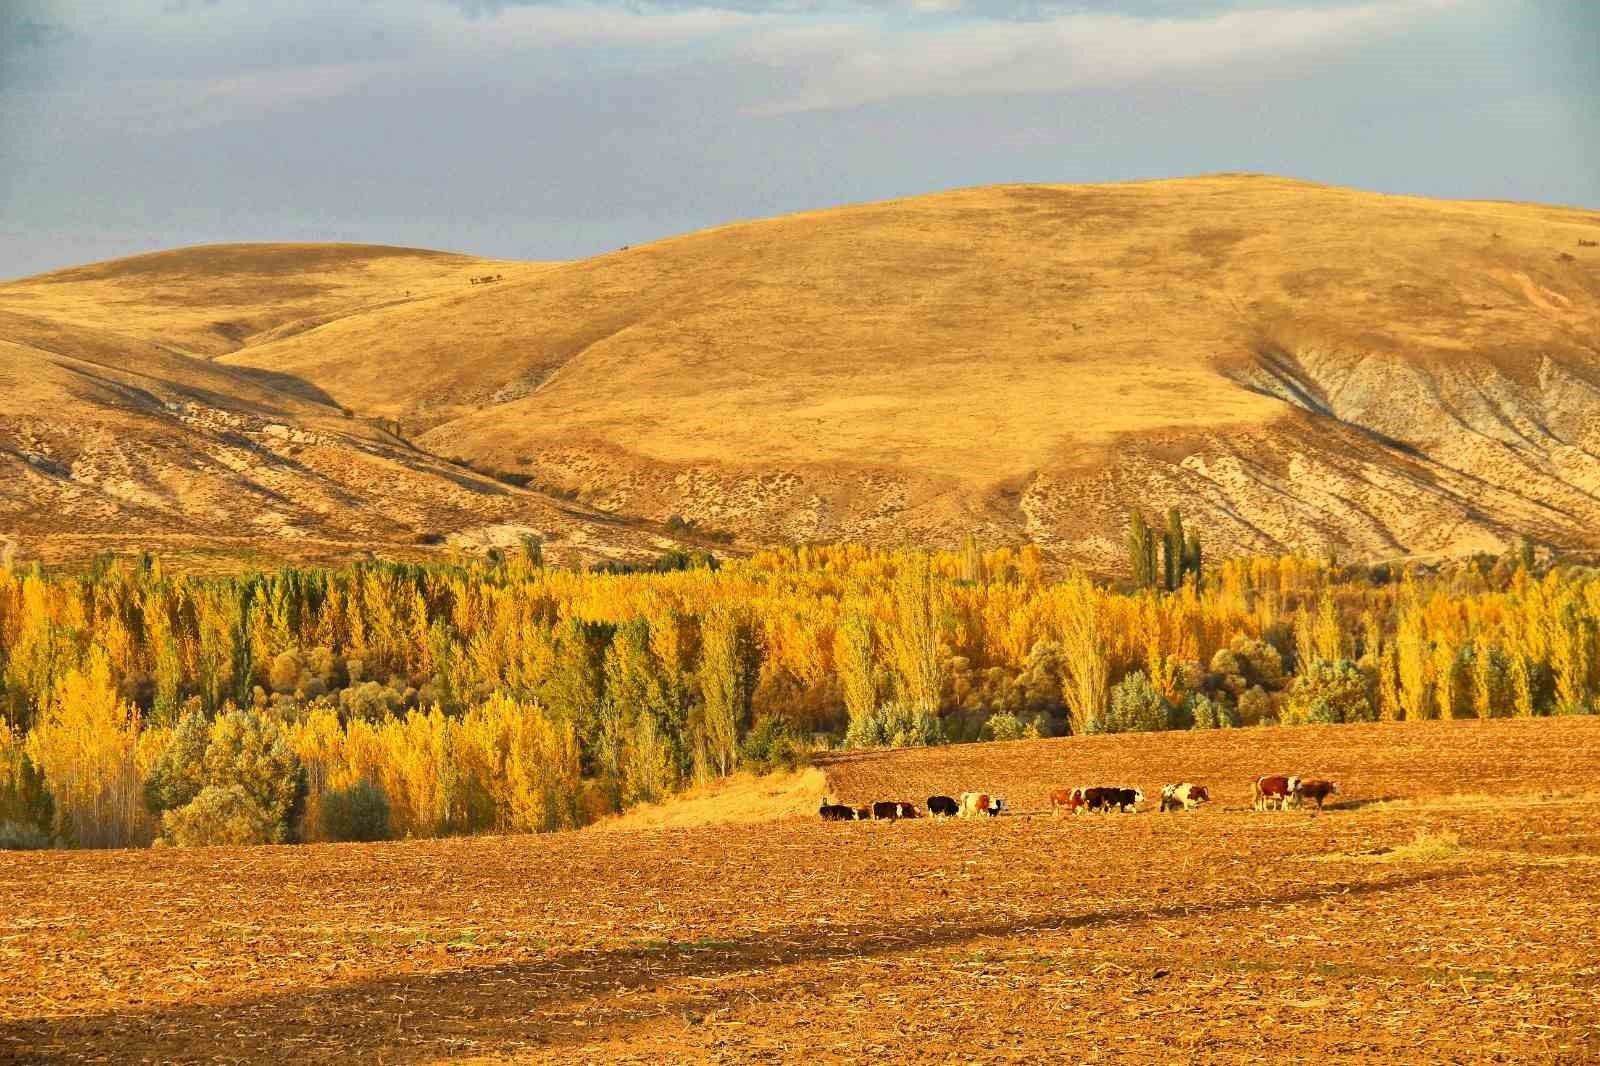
(179,774)
(254,786)
(1141,552)
(1172,547)
(1205,712)
(1191,557)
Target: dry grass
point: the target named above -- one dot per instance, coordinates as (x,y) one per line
(744,799)
(1427,846)
(1022,361)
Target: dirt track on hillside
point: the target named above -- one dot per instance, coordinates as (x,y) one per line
(1218,936)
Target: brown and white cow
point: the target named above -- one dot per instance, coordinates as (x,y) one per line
(1318,790)
(1185,797)
(1280,790)
(978,804)
(1106,799)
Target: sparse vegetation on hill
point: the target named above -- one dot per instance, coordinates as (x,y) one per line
(1298,368)
(506,695)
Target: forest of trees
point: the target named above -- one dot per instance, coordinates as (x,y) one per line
(387,700)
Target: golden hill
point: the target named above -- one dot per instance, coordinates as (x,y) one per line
(1296,366)
(116,433)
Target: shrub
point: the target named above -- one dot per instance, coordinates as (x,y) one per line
(1004,726)
(360,812)
(1328,692)
(1255,706)
(369,701)
(1137,706)
(284,675)
(1207,713)
(771,744)
(16,836)
(221,816)
(1247,663)
(894,725)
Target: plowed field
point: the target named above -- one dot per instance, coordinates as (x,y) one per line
(1222,935)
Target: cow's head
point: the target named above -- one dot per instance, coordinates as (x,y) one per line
(1138,795)
(1198,794)
(997,804)
(1333,788)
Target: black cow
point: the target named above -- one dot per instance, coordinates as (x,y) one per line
(886,809)
(907,810)
(1124,799)
(864,814)
(942,806)
(836,812)
(1098,799)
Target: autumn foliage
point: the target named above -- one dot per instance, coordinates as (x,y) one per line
(505,696)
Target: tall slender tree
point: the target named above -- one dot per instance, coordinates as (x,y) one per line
(1172,545)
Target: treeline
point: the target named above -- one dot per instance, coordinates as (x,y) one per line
(386,699)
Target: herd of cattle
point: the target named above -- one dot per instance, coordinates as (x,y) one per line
(1273,791)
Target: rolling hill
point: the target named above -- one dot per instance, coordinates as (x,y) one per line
(1295,366)
(118,432)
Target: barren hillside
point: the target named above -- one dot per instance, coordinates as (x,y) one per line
(1296,366)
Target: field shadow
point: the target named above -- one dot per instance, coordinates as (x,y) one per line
(1357,804)
(565,1001)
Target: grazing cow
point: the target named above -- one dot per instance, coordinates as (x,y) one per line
(885,809)
(836,812)
(942,806)
(1318,790)
(907,810)
(977,804)
(1184,797)
(1066,799)
(1124,799)
(1094,799)
(863,814)
(1278,790)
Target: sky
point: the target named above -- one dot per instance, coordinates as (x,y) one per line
(545,129)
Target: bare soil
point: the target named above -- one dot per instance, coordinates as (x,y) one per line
(1224,935)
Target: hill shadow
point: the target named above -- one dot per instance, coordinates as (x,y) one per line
(289,384)
(557,1002)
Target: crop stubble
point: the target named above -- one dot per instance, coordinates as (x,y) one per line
(1222,935)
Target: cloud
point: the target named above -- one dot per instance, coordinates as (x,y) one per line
(813,55)
(829,65)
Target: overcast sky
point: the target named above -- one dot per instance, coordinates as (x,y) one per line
(548,129)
